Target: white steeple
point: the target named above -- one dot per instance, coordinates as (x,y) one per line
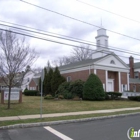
(102,44)
(101,39)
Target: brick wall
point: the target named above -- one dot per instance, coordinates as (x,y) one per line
(101,75)
(33,84)
(123,78)
(82,75)
(114,75)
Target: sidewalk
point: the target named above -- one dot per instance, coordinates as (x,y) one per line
(65,114)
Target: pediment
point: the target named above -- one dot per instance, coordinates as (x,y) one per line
(112,61)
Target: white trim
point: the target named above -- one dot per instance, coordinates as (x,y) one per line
(68,78)
(93,67)
(95,71)
(111,81)
(106,80)
(128,88)
(89,69)
(119,75)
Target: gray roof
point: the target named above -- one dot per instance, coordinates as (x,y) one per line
(137,65)
(36,80)
(80,63)
(134,80)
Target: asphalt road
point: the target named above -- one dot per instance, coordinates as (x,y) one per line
(107,129)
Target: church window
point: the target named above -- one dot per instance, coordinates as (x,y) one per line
(112,62)
(68,78)
(106,43)
(98,43)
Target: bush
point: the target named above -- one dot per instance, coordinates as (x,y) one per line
(113,95)
(48,97)
(30,92)
(93,88)
(70,89)
(134,98)
(76,88)
(60,97)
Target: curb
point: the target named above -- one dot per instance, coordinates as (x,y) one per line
(27,125)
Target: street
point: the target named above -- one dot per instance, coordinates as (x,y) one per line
(107,129)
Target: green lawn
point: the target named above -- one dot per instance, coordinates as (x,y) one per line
(31,105)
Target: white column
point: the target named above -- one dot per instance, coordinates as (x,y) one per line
(106,80)
(89,70)
(128,82)
(95,72)
(119,81)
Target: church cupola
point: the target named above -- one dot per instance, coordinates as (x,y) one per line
(101,39)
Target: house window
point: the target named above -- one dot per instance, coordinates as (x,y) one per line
(28,79)
(104,86)
(98,43)
(136,74)
(106,43)
(134,88)
(68,78)
(112,62)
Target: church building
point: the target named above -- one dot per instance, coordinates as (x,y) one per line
(112,71)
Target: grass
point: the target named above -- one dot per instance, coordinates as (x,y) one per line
(31,105)
(5,123)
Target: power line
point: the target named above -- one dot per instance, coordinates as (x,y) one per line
(79,20)
(65,38)
(24,34)
(108,11)
(86,42)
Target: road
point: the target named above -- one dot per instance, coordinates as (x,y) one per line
(107,129)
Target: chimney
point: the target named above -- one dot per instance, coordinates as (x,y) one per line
(131,65)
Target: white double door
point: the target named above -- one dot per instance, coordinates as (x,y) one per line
(110,84)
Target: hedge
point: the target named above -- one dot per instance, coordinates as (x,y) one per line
(134,98)
(48,97)
(113,95)
(31,92)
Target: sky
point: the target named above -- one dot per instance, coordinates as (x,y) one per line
(21,13)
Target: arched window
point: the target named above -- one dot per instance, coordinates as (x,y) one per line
(112,62)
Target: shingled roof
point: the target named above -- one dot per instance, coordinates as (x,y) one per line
(36,80)
(79,64)
(134,80)
(137,65)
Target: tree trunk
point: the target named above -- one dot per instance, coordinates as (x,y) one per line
(9,96)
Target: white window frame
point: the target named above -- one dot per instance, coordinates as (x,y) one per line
(68,78)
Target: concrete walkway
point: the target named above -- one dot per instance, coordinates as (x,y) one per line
(65,114)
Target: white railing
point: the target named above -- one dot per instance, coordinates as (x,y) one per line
(126,94)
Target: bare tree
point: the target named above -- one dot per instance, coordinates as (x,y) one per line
(78,54)
(82,53)
(15,55)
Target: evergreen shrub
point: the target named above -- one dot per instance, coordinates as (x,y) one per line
(93,88)
(31,92)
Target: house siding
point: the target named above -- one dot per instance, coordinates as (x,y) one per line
(32,84)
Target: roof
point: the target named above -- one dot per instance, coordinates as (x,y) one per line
(36,80)
(80,63)
(137,65)
(134,80)
(87,62)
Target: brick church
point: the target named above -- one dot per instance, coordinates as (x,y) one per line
(112,71)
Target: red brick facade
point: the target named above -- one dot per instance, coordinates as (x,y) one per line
(83,75)
(32,85)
